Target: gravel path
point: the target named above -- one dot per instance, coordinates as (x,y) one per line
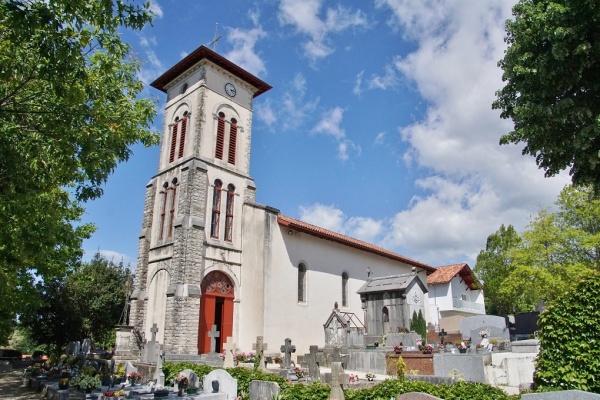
(11,387)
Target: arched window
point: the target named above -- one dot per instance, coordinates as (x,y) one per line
(182,134)
(232,141)
(301,283)
(345,289)
(220,136)
(385,315)
(163,210)
(174,128)
(172,210)
(216,209)
(229,213)
(179,127)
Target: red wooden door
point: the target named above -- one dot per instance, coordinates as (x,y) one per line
(207,320)
(217,297)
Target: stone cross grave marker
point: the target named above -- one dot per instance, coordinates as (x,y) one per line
(214,334)
(154,329)
(287,349)
(337,372)
(442,334)
(229,347)
(336,356)
(159,375)
(260,348)
(313,367)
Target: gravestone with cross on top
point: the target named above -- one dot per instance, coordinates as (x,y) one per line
(260,348)
(214,334)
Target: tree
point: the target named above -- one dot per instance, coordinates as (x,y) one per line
(88,303)
(69,113)
(493,266)
(569,355)
(552,91)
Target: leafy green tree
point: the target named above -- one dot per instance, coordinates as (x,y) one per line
(493,266)
(89,302)
(69,113)
(569,356)
(552,90)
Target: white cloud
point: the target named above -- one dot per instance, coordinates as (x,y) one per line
(152,67)
(330,217)
(330,123)
(469,184)
(304,16)
(156,8)
(243,42)
(380,138)
(357,90)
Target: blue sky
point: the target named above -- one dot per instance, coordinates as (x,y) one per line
(379,124)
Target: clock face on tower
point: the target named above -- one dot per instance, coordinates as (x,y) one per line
(230,89)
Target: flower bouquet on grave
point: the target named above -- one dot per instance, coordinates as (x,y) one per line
(427,349)
(398,348)
(182,383)
(134,378)
(370,376)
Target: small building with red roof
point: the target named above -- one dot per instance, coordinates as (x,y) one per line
(454,293)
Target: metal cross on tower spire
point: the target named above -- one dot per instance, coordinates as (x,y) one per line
(213,44)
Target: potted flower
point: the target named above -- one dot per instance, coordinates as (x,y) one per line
(63,382)
(88,383)
(427,349)
(182,383)
(191,390)
(134,378)
(462,347)
(398,348)
(370,376)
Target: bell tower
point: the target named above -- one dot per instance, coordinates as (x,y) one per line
(190,241)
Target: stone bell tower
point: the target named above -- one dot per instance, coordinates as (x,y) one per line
(190,251)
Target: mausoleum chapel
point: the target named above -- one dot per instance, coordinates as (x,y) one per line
(213,263)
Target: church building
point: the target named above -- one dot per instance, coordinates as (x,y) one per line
(212,262)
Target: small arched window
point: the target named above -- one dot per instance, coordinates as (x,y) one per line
(229,213)
(345,289)
(385,317)
(301,283)
(220,144)
(216,209)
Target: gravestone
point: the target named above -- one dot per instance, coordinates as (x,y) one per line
(260,348)
(227,384)
(159,375)
(337,393)
(86,347)
(314,372)
(496,327)
(213,334)
(229,347)
(129,368)
(151,348)
(264,390)
(193,381)
(287,349)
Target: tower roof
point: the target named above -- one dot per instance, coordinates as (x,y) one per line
(200,54)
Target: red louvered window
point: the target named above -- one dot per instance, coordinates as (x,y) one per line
(173,141)
(229,213)
(163,210)
(216,209)
(182,137)
(220,137)
(172,210)
(232,141)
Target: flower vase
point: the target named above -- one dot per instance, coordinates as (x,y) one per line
(180,392)
(370,379)
(215,386)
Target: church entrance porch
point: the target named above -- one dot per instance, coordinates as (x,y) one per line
(216,312)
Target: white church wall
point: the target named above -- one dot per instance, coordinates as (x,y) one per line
(325,262)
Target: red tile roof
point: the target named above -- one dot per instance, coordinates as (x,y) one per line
(446,273)
(322,233)
(204,52)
